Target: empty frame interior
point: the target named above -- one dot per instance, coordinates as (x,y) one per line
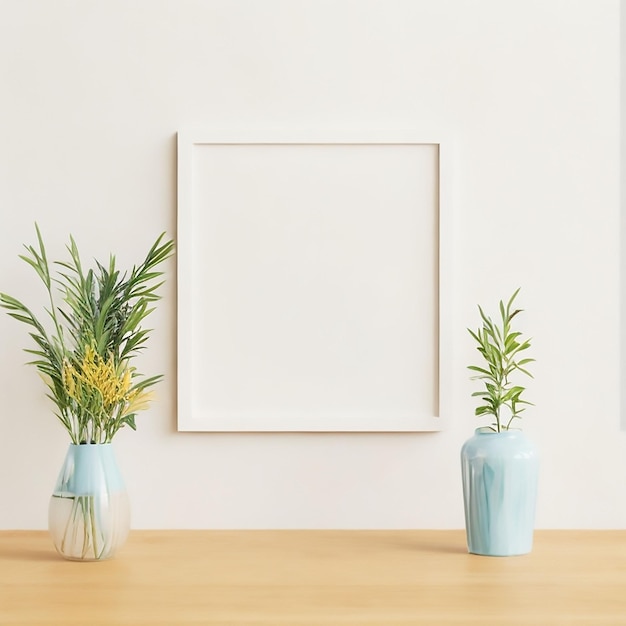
(309,284)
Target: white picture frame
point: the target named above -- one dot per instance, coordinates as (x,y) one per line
(312,281)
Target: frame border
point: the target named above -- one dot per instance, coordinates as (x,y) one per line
(186,141)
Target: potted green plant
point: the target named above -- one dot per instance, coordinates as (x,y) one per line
(84,349)
(499,464)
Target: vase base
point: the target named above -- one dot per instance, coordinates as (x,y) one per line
(498,555)
(78,559)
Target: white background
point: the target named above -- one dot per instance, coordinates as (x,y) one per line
(92,96)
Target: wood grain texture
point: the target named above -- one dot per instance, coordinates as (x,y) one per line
(311,578)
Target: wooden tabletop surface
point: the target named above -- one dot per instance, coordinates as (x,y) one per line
(311,578)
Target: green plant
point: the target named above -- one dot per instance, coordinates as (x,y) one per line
(85,358)
(500,347)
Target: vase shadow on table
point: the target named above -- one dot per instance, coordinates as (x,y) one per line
(439,548)
(417,544)
(34,554)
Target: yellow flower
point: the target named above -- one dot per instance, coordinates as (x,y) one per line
(95,374)
(68,378)
(138,401)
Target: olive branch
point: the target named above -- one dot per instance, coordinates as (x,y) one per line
(500,347)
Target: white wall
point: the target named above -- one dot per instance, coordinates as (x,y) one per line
(93,93)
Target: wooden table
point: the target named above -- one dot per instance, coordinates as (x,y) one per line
(307,578)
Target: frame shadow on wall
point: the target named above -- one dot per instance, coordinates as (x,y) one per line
(623,217)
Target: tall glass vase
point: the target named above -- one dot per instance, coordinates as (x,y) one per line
(89,513)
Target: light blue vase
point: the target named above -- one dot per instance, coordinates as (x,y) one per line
(500,472)
(89,513)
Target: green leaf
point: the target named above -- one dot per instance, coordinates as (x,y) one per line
(524,371)
(102,307)
(499,346)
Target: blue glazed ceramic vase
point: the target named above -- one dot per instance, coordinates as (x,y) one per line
(89,513)
(500,472)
